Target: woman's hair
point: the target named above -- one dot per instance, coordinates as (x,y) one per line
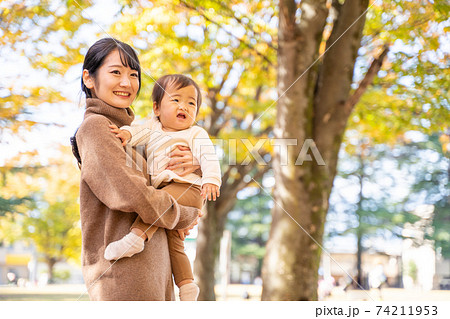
(180,81)
(100,50)
(94,60)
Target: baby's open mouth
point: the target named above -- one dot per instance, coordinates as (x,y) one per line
(181,116)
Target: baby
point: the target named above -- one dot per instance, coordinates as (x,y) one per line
(176,102)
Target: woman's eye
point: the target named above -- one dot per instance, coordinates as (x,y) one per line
(115,72)
(135,75)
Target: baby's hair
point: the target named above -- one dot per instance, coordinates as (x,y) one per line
(180,81)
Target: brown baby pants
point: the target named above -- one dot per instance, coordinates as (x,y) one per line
(186,195)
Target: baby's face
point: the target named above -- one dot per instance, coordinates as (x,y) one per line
(178,108)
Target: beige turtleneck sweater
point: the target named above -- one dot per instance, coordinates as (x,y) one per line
(112,193)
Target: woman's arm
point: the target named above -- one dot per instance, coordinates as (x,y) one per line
(107,170)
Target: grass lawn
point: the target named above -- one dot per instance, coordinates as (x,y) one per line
(234,292)
(73,292)
(48,293)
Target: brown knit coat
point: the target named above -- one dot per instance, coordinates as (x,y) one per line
(111,195)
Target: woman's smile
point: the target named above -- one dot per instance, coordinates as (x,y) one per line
(122,94)
(119,83)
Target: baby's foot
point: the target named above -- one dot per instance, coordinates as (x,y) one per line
(126,247)
(189,292)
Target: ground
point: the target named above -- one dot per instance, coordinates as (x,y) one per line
(389,294)
(234,292)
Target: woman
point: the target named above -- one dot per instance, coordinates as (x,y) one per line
(113,192)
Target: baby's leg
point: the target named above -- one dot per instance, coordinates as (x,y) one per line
(187,195)
(132,243)
(142,229)
(181,267)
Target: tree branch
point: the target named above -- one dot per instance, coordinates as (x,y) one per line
(368,79)
(215,129)
(197,9)
(248,25)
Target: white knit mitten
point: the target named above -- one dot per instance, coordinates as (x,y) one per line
(189,292)
(126,247)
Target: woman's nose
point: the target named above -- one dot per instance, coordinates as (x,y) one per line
(125,81)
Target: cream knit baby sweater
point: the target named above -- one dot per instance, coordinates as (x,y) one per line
(150,139)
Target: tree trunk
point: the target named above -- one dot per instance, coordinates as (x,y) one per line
(359,251)
(311,105)
(210,232)
(212,225)
(50,265)
(359,230)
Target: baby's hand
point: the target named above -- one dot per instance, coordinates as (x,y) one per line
(210,191)
(124,135)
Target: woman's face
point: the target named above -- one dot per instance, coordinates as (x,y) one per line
(114,84)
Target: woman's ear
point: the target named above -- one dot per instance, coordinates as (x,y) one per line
(87,79)
(156,109)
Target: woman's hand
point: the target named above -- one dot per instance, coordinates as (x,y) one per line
(182,157)
(185,232)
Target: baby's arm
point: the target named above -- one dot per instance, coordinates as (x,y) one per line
(124,135)
(140,134)
(135,135)
(203,150)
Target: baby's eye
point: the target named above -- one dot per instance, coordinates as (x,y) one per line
(176,100)
(192,103)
